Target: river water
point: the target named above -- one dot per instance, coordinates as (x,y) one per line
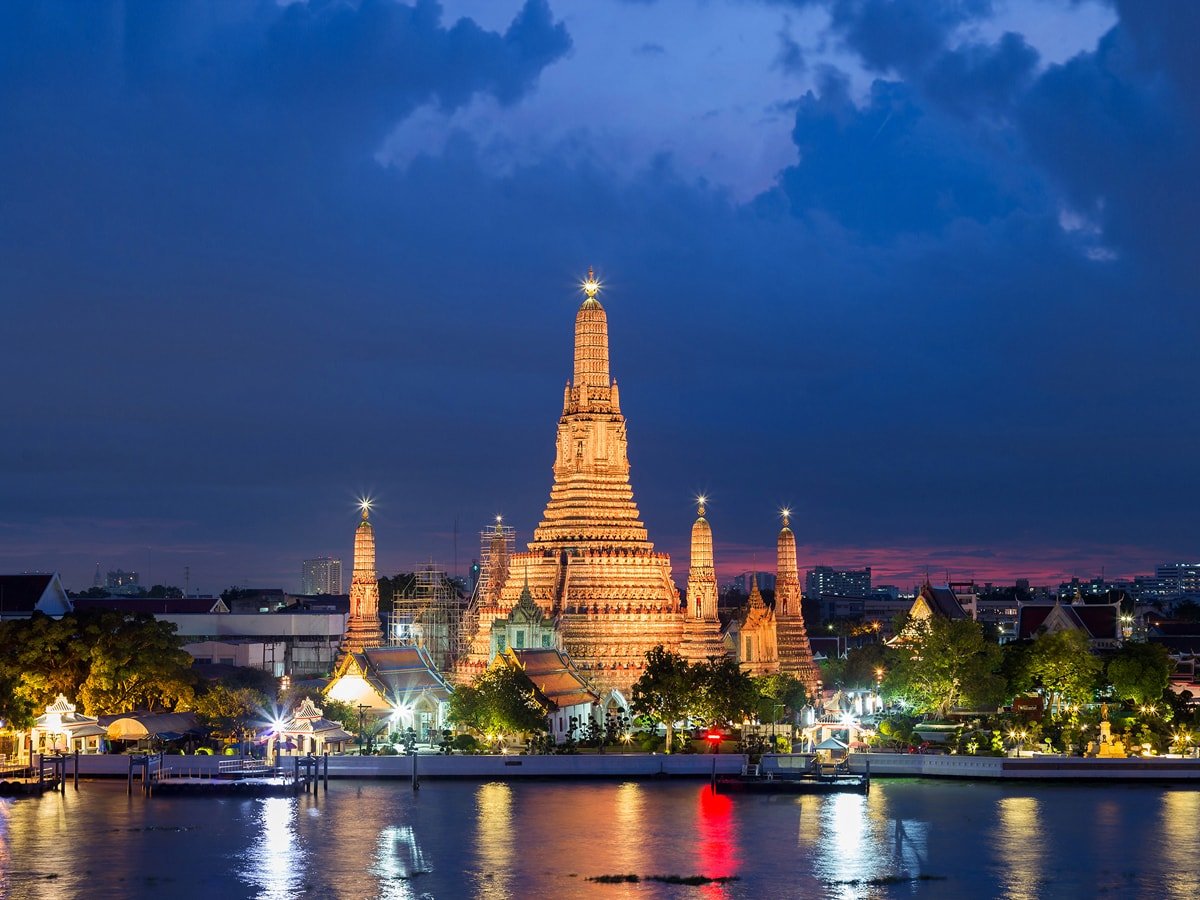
(909,838)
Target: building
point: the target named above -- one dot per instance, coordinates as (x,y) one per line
(590,564)
(1178,578)
(833,582)
(1101,622)
(400,683)
(23,595)
(753,639)
(307,731)
(118,581)
(795,651)
(702,637)
(298,643)
(742,582)
(322,575)
(363,627)
(565,695)
(525,627)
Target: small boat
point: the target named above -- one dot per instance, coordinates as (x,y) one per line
(817,780)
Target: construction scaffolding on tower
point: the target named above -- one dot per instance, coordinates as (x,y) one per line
(496,546)
(430,614)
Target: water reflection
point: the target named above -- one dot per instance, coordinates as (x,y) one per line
(1180,812)
(275,862)
(398,859)
(1020,848)
(629,818)
(716,839)
(494,840)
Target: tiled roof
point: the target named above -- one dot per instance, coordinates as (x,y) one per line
(556,677)
(20,593)
(1098,621)
(154,606)
(943,602)
(402,673)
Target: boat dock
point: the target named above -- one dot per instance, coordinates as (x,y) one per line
(172,775)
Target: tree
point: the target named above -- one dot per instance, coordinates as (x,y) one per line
(862,664)
(229,711)
(502,699)
(779,690)
(1062,664)
(723,692)
(1139,672)
(136,663)
(667,690)
(944,663)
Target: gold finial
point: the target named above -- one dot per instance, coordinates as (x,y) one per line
(700,502)
(787,516)
(591,286)
(364,504)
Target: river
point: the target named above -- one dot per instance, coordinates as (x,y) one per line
(377,839)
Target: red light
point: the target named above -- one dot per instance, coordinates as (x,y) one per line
(714,735)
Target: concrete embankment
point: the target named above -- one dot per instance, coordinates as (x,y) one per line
(1044,768)
(608,765)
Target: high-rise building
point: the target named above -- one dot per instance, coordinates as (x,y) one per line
(591,564)
(322,575)
(1179,577)
(837,582)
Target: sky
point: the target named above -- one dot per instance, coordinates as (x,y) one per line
(923,270)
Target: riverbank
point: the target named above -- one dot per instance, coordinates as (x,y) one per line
(633,766)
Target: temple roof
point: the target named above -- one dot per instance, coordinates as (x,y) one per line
(555,676)
(1098,621)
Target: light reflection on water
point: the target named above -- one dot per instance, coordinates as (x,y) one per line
(536,839)
(1180,819)
(274,864)
(494,841)
(1022,848)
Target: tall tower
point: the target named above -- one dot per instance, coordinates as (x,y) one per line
(702,630)
(591,563)
(795,652)
(362,630)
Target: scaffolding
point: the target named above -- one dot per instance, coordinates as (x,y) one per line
(429,614)
(496,546)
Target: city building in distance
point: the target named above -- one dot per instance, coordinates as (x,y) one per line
(322,575)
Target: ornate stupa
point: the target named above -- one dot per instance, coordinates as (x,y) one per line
(591,564)
(795,652)
(702,629)
(362,628)
(755,640)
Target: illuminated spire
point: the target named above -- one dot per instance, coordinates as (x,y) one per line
(591,339)
(362,628)
(795,651)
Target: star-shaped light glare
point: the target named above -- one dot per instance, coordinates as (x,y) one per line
(365,504)
(591,284)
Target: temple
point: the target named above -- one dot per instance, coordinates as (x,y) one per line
(702,629)
(362,628)
(795,652)
(752,640)
(590,566)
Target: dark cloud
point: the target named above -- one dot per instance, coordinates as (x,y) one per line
(228,317)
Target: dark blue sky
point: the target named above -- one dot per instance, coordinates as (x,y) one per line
(923,269)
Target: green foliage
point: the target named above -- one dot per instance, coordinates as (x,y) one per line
(1139,672)
(1062,664)
(666,691)
(723,693)
(230,711)
(944,664)
(778,690)
(501,700)
(861,665)
(105,660)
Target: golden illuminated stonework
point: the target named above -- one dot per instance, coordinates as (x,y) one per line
(591,565)
(702,629)
(362,628)
(753,639)
(795,652)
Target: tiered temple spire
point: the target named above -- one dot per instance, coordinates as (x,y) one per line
(795,652)
(362,629)
(702,632)
(591,563)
